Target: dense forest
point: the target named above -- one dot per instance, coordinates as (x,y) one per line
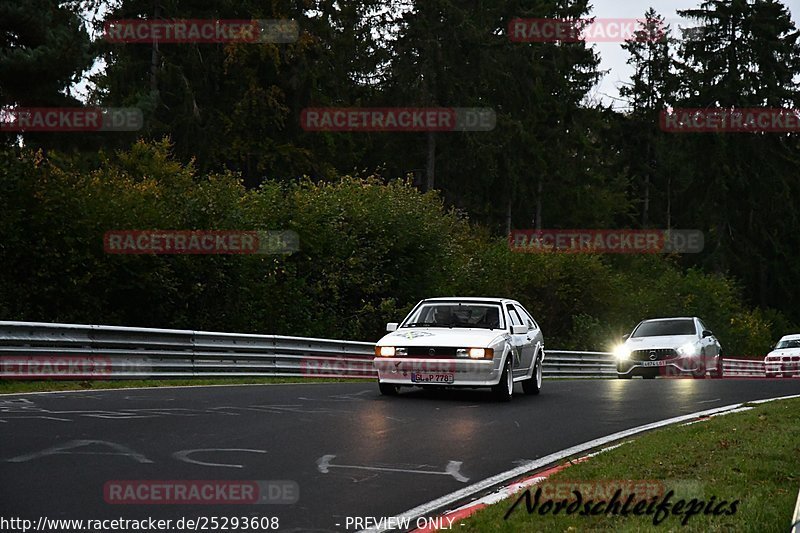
(386,218)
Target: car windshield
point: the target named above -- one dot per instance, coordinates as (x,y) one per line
(788,343)
(658,328)
(456,315)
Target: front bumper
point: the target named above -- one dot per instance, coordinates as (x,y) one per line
(464,372)
(782,368)
(677,366)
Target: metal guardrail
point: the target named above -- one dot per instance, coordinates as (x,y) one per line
(745,368)
(573,364)
(36,350)
(30,350)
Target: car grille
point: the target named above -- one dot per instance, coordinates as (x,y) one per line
(431,351)
(660,353)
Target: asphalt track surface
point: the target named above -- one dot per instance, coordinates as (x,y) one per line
(388,454)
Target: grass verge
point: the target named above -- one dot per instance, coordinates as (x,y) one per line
(19,386)
(751,456)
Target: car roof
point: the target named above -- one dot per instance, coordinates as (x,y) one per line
(791,337)
(670,318)
(468,298)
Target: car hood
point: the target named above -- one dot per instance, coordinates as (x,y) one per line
(446,337)
(666,341)
(784,351)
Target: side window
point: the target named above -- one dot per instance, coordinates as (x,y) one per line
(513,316)
(526,316)
(702,326)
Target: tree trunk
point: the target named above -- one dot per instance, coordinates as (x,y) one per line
(154,57)
(431,163)
(539,205)
(508,218)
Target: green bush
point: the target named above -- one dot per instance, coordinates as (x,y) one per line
(369,251)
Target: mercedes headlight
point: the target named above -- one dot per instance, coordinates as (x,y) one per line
(687,350)
(622,352)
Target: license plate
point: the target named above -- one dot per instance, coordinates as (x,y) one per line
(654,363)
(417,377)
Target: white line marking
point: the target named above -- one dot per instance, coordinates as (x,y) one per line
(711,401)
(7,418)
(453,468)
(62,450)
(453,497)
(183,455)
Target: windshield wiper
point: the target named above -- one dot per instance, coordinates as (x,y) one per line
(423,324)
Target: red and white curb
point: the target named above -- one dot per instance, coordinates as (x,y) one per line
(503,493)
(448,500)
(709,417)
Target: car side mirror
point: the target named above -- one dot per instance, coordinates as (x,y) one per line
(707,333)
(519,329)
(625,337)
(391,326)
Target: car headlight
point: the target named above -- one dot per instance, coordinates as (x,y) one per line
(687,350)
(622,352)
(481,353)
(385,351)
(475,353)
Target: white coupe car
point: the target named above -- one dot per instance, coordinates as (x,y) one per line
(462,342)
(784,359)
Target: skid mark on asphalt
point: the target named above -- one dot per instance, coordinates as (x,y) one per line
(453,468)
(25,409)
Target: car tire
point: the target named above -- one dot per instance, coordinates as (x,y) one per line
(533,385)
(388,389)
(717,373)
(503,391)
(701,373)
(624,376)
